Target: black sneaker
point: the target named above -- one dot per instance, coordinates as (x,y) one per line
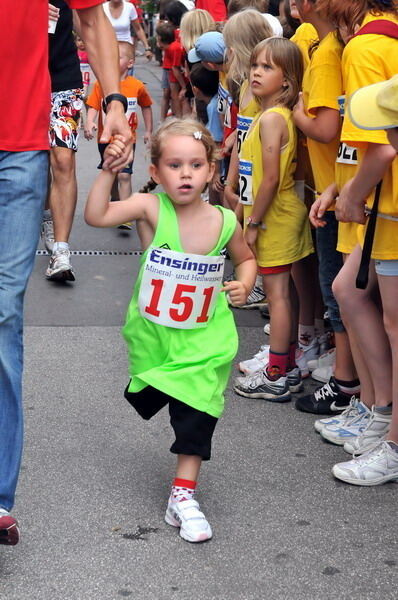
(326,400)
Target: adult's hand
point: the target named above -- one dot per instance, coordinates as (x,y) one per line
(116,124)
(53,12)
(348,208)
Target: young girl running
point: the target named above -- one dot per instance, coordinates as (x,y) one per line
(276,222)
(179,331)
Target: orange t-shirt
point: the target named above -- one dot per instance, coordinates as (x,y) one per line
(136,94)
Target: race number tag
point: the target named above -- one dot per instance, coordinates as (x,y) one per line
(347,155)
(180,290)
(222,99)
(243,127)
(131,106)
(245,182)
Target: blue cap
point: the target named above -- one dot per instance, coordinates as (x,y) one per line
(209,47)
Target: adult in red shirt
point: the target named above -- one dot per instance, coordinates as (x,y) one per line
(217,8)
(24,111)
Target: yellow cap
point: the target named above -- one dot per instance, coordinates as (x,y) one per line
(375,106)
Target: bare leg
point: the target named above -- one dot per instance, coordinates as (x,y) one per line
(277,290)
(389,294)
(175,101)
(125,187)
(165,104)
(188,467)
(63,194)
(359,309)
(344,367)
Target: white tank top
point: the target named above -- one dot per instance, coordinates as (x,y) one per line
(122,24)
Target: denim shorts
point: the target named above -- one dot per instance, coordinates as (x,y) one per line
(330,263)
(165,79)
(388,268)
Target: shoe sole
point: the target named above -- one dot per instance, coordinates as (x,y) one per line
(10,536)
(364,482)
(320,379)
(332,440)
(265,396)
(66,275)
(202,537)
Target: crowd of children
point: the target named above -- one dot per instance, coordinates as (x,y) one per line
(265,122)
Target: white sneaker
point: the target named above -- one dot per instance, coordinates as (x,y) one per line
(325,360)
(59,267)
(322,374)
(267,328)
(259,361)
(376,429)
(339,420)
(191,521)
(305,354)
(350,429)
(47,234)
(377,466)
(259,385)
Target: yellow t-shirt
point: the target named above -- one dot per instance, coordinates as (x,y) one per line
(369,59)
(287,237)
(246,115)
(305,37)
(322,85)
(345,168)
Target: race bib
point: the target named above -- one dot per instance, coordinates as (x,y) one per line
(243,127)
(347,155)
(180,290)
(222,99)
(86,72)
(341,103)
(245,182)
(131,107)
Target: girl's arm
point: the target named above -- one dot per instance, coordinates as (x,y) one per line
(99,212)
(322,128)
(322,204)
(148,121)
(245,268)
(180,78)
(272,129)
(231,183)
(351,201)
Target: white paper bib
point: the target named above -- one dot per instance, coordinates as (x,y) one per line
(180,290)
(347,155)
(245,182)
(243,126)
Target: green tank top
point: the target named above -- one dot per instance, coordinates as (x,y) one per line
(191,365)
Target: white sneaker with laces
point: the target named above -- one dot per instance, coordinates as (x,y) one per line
(47,234)
(374,467)
(322,374)
(305,354)
(259,385)
(325,360)
(376,429)
(350,429)
(338,421)
(259,361)
(191,521)
(59,267)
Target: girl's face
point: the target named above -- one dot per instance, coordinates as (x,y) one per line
(183,169)
(266,79)
(80,44)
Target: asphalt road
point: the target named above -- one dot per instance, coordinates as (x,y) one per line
(95,478)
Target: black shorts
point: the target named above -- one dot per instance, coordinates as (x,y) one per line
(193,428)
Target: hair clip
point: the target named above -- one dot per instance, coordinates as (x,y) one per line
(197,135)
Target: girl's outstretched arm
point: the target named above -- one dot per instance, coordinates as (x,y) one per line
(245,268)
(99,212)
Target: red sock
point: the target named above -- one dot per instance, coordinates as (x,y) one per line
(291,361)
(277,364)
(182,489)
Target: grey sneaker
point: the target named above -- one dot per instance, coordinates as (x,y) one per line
(47,234)
(59,267)
(294,380)
(255,299)
(259,385)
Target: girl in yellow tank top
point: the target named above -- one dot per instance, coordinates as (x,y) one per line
(276,224)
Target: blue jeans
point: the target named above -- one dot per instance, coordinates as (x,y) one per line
(330,263)
(23,189)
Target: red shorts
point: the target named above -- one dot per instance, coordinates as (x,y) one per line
(274,270)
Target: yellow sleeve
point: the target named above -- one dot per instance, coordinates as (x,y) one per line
(325,79)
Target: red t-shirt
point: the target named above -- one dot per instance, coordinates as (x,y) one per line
(25,95)
(216,8)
